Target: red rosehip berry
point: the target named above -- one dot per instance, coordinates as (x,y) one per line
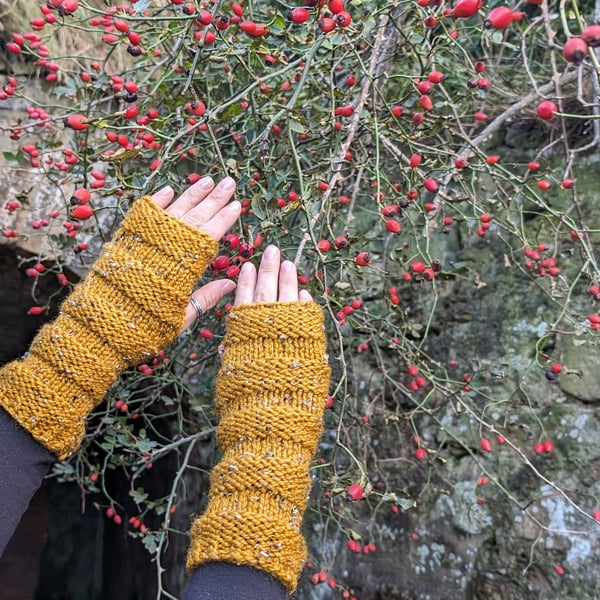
(299,14)
(76,122)
(82,212)
(341,242)
(354,492)
(499,18)
(575,50)
(591,34)
(393,226)
(466,8)
(546,110)
(363,259)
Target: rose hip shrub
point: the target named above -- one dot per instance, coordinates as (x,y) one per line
(366,139)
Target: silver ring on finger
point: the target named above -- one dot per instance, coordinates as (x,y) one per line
(197,307)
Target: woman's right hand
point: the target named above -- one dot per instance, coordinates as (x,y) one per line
(275,281)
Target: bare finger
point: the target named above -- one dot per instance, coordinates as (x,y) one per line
(191,197)
(268,276)
(288,282)
(222,221)
(304,296)
(204,211)
(246,284)
(207,297)
(163,196)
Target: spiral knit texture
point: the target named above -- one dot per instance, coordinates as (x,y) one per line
(270,398)
(130,305)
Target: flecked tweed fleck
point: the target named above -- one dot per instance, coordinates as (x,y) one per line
(128,307)
(270,397)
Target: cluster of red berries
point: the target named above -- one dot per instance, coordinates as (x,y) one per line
(546,447)
(116,29)
(113,516)
(323,577)
(417,381)
(538,264)
(486,445)
(577,48)
(355,546)
(498,18)
(335,16)
(348,310)
(481,83)
(158,361)
(72,228)
(594,319)
(206,24)
(9,89)
(244,251)
(419,271)
(137,524)
(388,212)
(340,243)
(485,222)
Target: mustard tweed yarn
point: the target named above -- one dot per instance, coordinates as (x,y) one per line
(130,305)
(270,398)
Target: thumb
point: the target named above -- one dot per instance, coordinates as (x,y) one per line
(207,297)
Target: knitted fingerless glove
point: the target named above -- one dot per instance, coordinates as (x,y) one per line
(270,397)
(131,304)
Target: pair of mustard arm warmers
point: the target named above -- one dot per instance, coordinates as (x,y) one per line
(270,394)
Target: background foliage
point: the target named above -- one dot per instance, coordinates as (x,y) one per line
(400,162)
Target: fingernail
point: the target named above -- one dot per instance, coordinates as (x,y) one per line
(287,266)
(163,193)
(271,252)
(228,286)
(206,183)
(234,206)
(228,184)
(247,266)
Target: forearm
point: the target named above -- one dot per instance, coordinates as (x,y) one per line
(23,465)
(270,398)
(129,306)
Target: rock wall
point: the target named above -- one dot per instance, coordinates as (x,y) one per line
(464,541)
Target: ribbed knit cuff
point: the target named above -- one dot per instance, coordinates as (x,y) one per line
(270,397)
(131,304)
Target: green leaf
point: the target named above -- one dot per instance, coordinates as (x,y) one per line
(150,542)
(145,445)
(258,207)
(138,495)
(295,126)
(231,112)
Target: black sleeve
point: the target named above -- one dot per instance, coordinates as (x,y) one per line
(23,465)
(223,581)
